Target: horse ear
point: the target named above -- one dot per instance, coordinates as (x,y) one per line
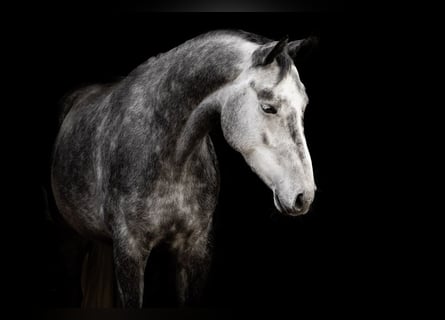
(300,49)
(266,54)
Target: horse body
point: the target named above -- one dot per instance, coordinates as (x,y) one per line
(121,139)
(133,163)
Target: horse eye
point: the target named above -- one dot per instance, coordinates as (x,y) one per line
(268,108)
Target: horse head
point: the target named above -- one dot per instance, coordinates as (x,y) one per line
(262,118)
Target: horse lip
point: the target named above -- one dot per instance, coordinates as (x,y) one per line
(289,211)
(280,206)
(278,203)
(302,211)
(295,212)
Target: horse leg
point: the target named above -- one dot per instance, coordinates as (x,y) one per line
(193,266)
(129,267)
(71,249)
(98,277)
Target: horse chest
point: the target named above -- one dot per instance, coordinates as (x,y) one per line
(182,199)
(182,207)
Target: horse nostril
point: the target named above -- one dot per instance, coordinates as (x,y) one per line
(299,201)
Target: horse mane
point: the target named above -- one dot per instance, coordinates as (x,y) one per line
(284,60)
(251,37)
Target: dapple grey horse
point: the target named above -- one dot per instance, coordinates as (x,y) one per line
(133,163)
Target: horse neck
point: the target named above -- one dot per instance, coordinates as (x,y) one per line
(195,70)
(189,74)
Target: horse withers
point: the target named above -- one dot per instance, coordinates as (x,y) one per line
(133,163)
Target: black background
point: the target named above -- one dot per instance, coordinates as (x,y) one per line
(352,243)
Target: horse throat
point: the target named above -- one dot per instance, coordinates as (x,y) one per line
(198,124)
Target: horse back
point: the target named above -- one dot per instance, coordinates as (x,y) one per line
(76,95)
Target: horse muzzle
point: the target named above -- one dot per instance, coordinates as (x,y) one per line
(300,205)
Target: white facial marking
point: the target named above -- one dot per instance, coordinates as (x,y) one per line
(292,89)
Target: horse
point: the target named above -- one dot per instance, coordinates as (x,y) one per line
(133,164)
